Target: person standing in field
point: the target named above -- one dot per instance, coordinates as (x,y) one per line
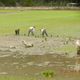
(77,67)
(43,32)
(78,47)
(31,30)
(17,31)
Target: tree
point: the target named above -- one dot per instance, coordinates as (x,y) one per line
(37,2)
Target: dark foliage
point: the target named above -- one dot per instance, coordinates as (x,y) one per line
(36,2)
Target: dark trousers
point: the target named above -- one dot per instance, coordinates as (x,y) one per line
(78,52)
(31,33)
(17,32)
(44,33)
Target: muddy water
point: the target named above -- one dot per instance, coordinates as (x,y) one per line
(32,65)
(17,60)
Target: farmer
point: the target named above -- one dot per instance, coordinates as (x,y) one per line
(31,30)
(43,32)
(78,47)
(17,31)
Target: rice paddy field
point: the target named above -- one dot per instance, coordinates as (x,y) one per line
(57,22)
(56,52)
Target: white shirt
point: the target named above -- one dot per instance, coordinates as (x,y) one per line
(78,43)
(42,30)
(31,28)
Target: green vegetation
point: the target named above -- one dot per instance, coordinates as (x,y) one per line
(4,77)
(47,73)
(36,2)
(61,23)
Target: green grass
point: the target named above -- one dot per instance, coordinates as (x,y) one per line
(5,77)
(57,22)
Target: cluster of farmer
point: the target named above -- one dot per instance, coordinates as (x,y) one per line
(44,33)
(31,31)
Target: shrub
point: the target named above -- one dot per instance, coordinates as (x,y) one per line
(47,73)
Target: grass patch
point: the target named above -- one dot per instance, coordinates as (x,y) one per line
(57,22)
(3,77)
(48,73)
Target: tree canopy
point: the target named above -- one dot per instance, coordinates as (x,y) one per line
(36,2)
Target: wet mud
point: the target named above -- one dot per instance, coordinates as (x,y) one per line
(15,59)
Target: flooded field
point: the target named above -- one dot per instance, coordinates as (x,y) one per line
(17,60)
(33,65)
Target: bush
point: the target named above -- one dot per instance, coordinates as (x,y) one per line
(47,73)
(1,4)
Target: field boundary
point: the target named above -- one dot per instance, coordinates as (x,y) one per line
(40,8)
